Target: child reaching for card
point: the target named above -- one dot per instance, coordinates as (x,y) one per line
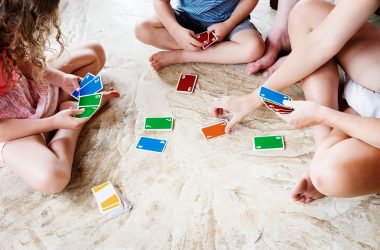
(175,30)
(31,92)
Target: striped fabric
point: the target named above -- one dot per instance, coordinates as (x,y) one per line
(208,11)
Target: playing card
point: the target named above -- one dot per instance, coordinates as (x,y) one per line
(159,123)
(214,130)
(151,144)
(90,100)
(88,111)
(207,38)
(86,79)
(273,96)
(186,83)
(277,108)
(92,87)
(271,142)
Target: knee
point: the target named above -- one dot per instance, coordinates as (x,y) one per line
(53,180)
(253,50)
(331,178)
(98,53)
(143,31)
(302,11)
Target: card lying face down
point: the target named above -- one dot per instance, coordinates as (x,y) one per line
(159,123)
(186,83)
(151,144)
(274,100)
(214,130)
(110,200)
(90,103)
(271,142)
(207,38)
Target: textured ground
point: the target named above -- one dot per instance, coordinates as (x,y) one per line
(197,195)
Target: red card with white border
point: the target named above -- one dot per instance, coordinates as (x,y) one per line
(186,83)
(207,39)
(278,108)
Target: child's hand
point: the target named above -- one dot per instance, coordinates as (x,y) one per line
(221,30)
(186,39)
(70,83)
(305,114)
(65,119)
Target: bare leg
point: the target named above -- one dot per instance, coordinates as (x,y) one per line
(153,32)
(47,168)
(245,46)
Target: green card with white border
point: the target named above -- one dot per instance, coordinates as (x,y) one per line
(88,111)
(90,100)
(159,123)
(268,142)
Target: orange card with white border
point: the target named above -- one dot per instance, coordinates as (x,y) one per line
(214,130)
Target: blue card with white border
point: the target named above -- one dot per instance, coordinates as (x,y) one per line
(92,87)
(151,144)
(273,96)
(86,79)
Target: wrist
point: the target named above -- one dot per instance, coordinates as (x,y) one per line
(326,116)
(51,123)
(255,99)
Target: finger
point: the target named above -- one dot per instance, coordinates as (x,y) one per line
(291,104)
(230,126)
(218,112)
(196,43)
(73,112)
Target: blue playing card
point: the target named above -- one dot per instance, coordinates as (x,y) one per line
(92,87)
(86,79)
(273,96)
(151,144)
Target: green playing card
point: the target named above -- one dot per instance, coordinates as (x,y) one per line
(272,142)
(90,100)
(88,111)
(158,123)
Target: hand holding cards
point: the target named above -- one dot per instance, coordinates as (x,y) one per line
(207,38)
(274,100)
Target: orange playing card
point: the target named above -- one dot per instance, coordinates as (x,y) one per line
(214,130)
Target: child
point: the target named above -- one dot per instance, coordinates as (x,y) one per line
(174,30)
(346,161)
(31,93)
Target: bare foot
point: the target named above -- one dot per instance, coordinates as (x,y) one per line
(165,58)
(304,191)
(269,71)
(108,95)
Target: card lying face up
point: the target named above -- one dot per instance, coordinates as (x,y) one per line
(151,144)
(207,38)
(159,123)
(186,83)
(111,202)
(271,142)
(214,130)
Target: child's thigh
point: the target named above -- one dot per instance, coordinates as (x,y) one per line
(30,159)
(248,37)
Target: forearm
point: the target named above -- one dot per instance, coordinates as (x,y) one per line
(362,128)
(282,16)
(241,12)
(11,129)
(166,15)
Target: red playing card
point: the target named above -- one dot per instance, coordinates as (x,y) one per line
(278,108)
(207,39)
(186,83)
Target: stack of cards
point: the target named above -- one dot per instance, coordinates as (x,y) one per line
(87,95)
(90,103)
(186,83)
(151,144)
(274,100)
(271,142)
(159,123)
(110,201)
(214,130)
(207,38)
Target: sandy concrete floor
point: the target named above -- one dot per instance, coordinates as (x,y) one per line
(197,194)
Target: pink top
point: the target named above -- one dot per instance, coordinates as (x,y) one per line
(25,99)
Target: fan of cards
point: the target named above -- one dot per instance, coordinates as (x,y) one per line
(207,38)
(274,100)
(88,96)
(110,200)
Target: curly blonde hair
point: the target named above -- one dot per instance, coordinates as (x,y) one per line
(25,28)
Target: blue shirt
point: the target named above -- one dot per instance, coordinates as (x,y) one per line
(208,11)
